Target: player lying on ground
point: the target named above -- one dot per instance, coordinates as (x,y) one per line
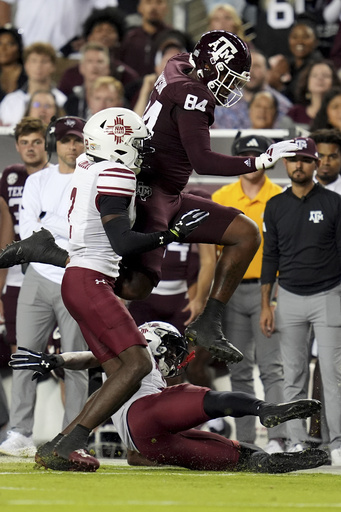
(158,422)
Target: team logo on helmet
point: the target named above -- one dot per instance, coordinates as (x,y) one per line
(118,130)
(222,49)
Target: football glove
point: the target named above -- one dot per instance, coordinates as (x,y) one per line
(283,149)
(39,362)
(187,223)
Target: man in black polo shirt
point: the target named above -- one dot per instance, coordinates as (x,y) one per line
(302,242)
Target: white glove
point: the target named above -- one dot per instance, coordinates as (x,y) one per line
(283,149)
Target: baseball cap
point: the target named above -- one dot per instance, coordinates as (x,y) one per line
(69,125)
(307,147)
(255,143)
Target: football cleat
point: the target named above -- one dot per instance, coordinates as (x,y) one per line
(261,462)
(46,458)
(39,247)
(272,415)
(209,336)
(81,460)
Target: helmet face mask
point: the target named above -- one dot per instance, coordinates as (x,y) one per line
(117,135)
(222,62)
(167,345)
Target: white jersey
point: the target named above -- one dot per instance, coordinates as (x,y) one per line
(151,384)
(89,246)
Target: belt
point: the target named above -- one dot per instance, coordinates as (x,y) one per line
(251,281)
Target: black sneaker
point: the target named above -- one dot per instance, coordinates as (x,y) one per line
(209,336)
(272,415)
(39,247)
(261,462)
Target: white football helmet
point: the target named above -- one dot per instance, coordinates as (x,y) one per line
(118,135)
(167,345)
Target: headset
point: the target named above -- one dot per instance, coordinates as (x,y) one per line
(50,139)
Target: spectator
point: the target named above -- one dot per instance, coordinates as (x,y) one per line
(41,23)
(278,72)
(302,242)
(315,80)
(94,63)
(43,106)
(272,22)
(45,202)
(329,114)
(105,92)
(263,112)
(39,63)
(225,17)
(237,116)
(250,194)
(106,27)
(328,142)
(303,42)
(12,74)
(138,45)
(30,145)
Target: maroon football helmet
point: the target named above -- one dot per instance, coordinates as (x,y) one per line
(222,62)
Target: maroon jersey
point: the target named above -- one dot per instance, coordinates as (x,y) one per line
(11,189)
(179,115)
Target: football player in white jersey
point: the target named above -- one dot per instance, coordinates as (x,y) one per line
(100,216)
(157,422)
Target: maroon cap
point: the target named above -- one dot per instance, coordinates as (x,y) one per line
(307,147)
(69,126)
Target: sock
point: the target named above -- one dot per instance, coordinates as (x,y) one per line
(214,308)
(235,404)
(75,440)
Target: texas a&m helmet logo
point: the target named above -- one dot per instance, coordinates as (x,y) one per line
(118,129)
(222,49)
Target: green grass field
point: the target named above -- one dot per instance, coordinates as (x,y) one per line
(123,488)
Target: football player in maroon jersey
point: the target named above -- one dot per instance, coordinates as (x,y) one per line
(179,113)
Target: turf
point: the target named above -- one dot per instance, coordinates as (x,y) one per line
(123,488)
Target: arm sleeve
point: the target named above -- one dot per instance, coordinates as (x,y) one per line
(198,147)
(122,239)
(270,260)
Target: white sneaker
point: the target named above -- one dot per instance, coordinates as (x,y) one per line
(274,446)
(17,445)
(298,447)
(336,457)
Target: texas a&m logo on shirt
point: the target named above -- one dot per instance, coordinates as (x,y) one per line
(222,49)
(118,130)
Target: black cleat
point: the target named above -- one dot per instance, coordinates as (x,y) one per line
(39,247)
(272,415)
(209,336)
(47,459)
(261,462)
(78,460)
